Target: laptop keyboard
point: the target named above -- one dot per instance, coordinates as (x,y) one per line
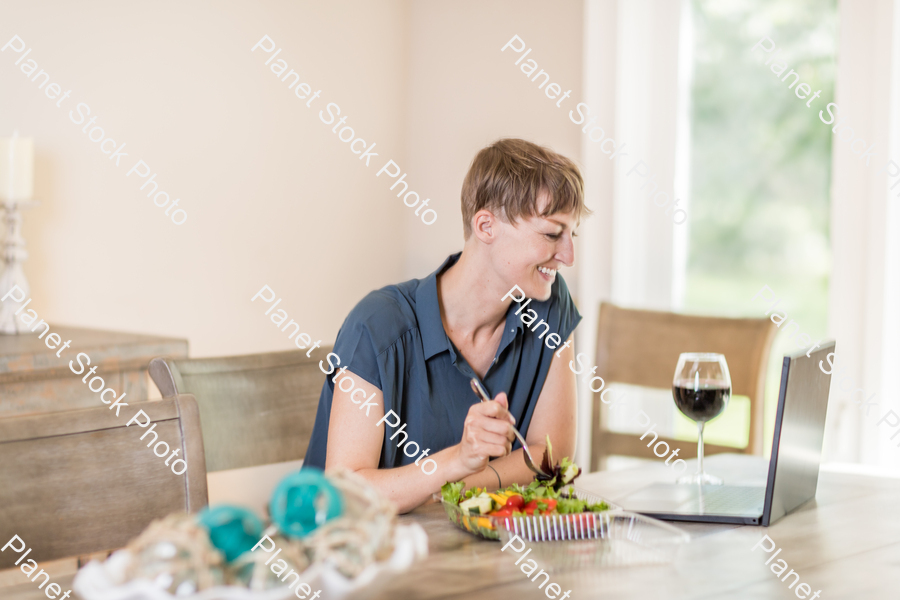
(669,498)
(719,499)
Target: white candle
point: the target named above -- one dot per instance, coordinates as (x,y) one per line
(16,168)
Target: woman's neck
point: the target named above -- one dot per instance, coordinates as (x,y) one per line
(471,305)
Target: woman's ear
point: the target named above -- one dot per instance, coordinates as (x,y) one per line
(485,226)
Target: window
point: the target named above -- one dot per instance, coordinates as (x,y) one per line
(759,173)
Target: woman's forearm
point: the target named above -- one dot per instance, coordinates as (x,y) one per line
(408,487)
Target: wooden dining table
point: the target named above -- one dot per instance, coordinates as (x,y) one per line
(845,543)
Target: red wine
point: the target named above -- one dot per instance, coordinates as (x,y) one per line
(703,404)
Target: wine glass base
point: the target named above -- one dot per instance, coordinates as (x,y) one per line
(701,478)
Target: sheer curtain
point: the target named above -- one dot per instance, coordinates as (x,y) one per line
(864,303)
(630,251)
(888,453)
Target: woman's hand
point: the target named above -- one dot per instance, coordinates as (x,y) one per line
(487,433)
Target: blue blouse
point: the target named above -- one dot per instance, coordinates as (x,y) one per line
(395,340)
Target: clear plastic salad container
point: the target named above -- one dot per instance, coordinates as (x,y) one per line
(575,541)
(610,538)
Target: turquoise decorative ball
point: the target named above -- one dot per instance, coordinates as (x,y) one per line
(232,529)
(303,501)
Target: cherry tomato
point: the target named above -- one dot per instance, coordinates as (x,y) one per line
(583,520)
(578,520)
(515,501)
(550,502)
(531,507)
(506,511)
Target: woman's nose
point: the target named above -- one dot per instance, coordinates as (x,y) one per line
(566,253)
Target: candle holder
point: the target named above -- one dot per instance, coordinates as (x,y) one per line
(14,254)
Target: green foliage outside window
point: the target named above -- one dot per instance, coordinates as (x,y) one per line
(760,172)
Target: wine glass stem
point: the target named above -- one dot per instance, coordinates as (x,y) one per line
(700,447)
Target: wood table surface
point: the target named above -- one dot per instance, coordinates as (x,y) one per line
(845,543)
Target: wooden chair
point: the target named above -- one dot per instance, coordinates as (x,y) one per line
(256,409)
(641,347)
(79,482)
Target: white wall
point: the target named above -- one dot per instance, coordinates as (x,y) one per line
(272,196)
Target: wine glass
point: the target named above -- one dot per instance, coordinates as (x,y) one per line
(701,388)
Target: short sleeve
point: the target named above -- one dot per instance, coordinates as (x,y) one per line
(355,347)
(371,328)
(569,317)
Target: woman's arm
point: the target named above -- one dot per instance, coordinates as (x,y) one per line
(555,415)
(354,442)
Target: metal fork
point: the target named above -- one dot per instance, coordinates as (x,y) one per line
(529,460)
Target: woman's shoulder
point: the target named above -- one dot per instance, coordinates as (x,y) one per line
(384,315)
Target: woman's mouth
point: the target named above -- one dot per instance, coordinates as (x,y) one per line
(550,274)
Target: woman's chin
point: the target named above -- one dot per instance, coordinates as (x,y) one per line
(540,292)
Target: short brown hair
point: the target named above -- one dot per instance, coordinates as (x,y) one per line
(507,177)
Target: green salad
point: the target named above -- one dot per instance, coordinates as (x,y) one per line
(546,495)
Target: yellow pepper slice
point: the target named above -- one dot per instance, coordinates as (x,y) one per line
(499,498)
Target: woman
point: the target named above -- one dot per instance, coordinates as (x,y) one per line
(412,348)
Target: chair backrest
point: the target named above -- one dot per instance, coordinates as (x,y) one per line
(81,481)
(256,409)
(641,347)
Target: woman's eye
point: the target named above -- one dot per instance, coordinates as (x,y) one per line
(553,236)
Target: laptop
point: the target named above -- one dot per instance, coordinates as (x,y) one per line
(758,494)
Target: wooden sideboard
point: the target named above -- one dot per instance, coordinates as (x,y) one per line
(33,379)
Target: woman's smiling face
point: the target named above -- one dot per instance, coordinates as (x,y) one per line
(530,252)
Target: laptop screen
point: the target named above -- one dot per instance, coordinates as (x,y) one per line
(799,429)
